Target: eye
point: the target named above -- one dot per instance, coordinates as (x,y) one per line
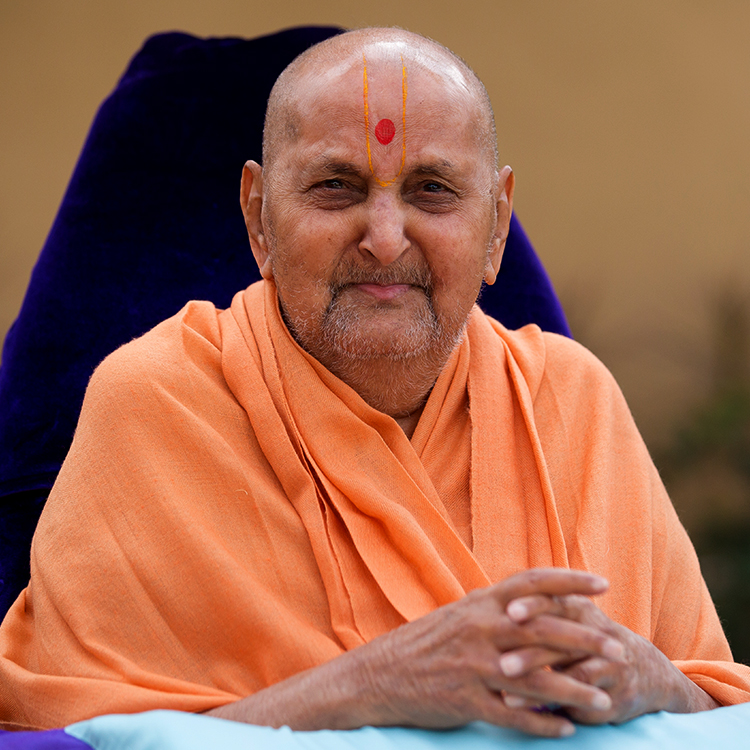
(335,193)
(333,184)
(432,196)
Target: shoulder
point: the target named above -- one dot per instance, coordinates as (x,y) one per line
(576,403)
(572,369)
(551,361)
(175,357)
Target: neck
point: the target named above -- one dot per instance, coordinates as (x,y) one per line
(409,424)
(399,388)
(395,378)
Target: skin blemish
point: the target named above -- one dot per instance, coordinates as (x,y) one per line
(385,129)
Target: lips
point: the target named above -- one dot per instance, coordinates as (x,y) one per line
(380,283)
(383,291)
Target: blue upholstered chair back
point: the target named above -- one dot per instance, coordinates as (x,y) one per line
(151,220)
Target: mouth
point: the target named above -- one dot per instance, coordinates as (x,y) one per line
(380,286)
(384,292)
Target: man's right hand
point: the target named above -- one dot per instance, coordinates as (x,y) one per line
(443,670)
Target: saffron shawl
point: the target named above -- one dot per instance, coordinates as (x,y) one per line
(231,513)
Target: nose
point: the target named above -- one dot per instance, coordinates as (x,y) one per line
(385,234)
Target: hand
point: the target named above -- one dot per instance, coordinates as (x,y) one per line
(642,681)
(443,670)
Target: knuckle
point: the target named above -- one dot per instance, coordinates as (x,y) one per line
(537,680)
(535,575)
(477,595)
(578,605)
(590,670)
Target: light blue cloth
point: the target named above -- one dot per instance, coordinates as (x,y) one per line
(723,728)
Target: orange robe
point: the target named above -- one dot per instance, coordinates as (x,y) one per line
(231,513)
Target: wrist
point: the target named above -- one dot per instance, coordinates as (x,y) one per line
(336,695)
(687,697)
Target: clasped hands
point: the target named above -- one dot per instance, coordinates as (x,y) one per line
(533,642)
(504,654)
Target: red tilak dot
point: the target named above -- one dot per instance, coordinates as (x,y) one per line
(384,131)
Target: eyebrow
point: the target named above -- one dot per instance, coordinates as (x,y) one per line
(332,167)
(444,169)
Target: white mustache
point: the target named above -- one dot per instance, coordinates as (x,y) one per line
(351,274)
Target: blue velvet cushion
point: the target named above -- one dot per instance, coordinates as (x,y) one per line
(53,739)
(150,220)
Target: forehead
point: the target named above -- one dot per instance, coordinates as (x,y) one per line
(424,102)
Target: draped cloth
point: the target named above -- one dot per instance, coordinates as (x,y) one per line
(231,513)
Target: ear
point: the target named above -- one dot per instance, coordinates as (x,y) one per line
(506,183)
(251,200)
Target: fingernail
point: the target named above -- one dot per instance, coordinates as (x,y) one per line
(511,665)
(613,649)
(517,611)
(567,730)
(601,702)
(514,701)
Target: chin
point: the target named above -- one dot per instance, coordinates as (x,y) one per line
(396,341)
(382,336)
(371,349)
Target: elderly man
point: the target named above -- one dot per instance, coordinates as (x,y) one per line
(352,498)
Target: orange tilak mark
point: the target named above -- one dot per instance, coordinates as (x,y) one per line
(403,123)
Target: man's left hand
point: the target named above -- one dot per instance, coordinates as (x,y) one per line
(643,681)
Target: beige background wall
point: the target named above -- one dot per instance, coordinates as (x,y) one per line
(628,125)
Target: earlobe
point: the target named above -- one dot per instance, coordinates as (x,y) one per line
(494,257)
(506,183)
(266,270)
(251,202)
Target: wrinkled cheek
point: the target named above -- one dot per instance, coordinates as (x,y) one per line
(458,287)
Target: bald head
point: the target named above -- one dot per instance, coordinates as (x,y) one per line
(334,56)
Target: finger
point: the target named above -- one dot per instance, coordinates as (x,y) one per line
(550,581)
(594,671)
(559,634)
(523,660)
(603,674)
(572,607)
(494,711)
(546,687)
(518,701)
(512,700)
(526,607)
